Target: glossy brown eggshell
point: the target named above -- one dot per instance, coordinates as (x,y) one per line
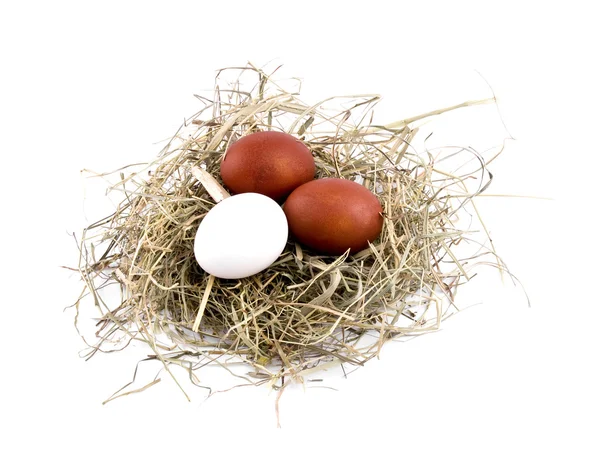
(271,163)
(332,215)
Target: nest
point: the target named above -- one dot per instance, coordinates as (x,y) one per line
(306,311)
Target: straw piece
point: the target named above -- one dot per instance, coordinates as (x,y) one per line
(216,191)
(209,284)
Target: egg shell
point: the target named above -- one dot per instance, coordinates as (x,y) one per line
(271,163)
(241,236)
(332,215)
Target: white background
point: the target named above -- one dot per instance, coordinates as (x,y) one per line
(95,85)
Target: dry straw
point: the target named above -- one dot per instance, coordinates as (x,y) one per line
(306,311)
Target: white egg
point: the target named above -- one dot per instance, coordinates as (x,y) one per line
(241,236)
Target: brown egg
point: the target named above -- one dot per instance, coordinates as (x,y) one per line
(269,163)
(332,215)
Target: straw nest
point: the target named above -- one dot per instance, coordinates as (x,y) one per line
(306,311)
